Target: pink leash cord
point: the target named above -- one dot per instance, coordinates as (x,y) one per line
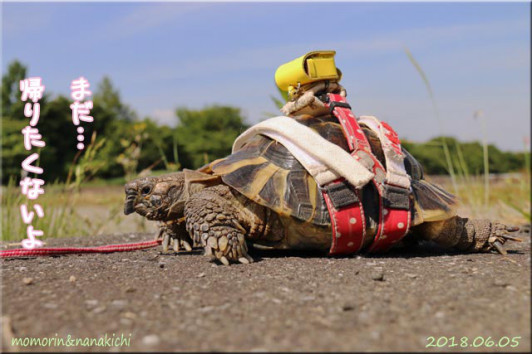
(53,251)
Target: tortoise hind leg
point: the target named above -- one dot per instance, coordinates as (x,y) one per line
(469,235)
(213,223)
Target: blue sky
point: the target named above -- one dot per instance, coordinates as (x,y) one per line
(165,55)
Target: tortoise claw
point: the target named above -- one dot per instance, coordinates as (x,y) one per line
(159,234)
(166,242)
(499,236)
(187,246)
(499,248)
(513,238)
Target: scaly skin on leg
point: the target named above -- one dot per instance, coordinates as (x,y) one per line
(217,220)
(470,235)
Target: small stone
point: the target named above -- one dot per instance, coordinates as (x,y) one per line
(27,281)
(72,279)
(50,305)
(91,303)
(119,303)
(21,269)
(161,265)
(151,340)
(348,308)
(206,309)
(201,275)
(205,227)
(439,314)
(126,321)
(99,309)
(130,290)
(411,276)
(363,316)
(377,275)
(129,315)
(500,282)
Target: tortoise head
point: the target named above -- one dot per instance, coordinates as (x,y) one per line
(157,198)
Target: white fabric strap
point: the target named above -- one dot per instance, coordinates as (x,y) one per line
(395,166)
(324,160)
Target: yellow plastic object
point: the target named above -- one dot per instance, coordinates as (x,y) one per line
(311,67)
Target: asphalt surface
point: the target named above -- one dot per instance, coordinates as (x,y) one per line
(282,302)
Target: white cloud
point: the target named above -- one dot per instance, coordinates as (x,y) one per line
(147,16)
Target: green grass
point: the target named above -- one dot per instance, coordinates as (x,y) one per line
(81,206)
(480,198)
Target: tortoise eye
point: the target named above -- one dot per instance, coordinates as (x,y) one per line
(146,189)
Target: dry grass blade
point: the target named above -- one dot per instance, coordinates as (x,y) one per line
(438,119)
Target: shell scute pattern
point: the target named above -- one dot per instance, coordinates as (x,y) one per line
(265,171)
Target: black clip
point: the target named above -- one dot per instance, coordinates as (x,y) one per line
(333,105)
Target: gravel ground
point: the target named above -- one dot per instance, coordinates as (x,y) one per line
(282,302)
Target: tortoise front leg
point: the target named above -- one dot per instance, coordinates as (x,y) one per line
(213,223)
(469,235)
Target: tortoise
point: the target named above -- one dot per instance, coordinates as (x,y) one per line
(255,196)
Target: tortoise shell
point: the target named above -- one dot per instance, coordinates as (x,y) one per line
(265,171)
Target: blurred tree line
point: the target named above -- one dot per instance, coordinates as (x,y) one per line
(129,144)
(463,155)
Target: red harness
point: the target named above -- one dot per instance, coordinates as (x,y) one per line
(345,203)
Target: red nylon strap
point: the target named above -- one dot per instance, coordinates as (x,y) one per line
(47,251)
(348,223)
(394,227)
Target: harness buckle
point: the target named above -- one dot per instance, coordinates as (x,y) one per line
(395,197)
(341,194)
